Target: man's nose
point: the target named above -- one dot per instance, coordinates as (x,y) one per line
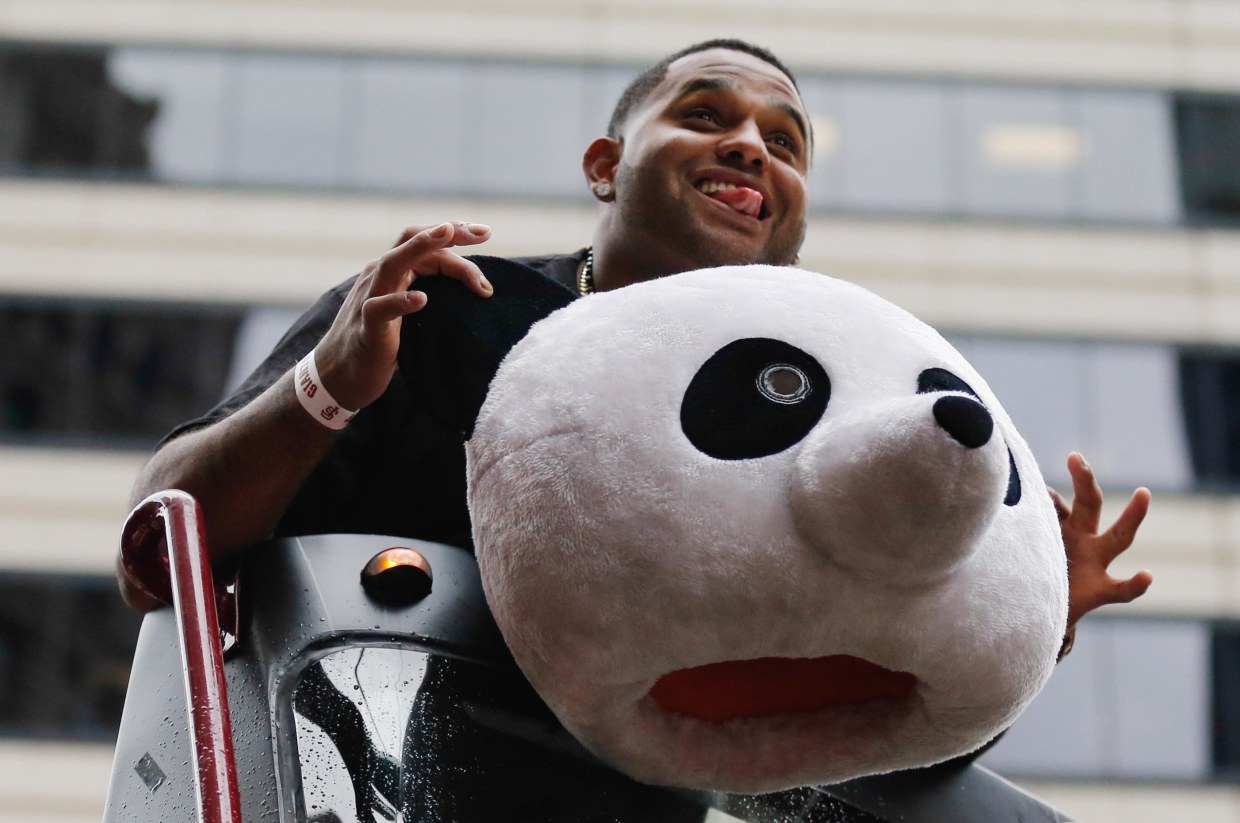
(744,144)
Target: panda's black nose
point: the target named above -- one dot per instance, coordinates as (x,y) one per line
(965,419)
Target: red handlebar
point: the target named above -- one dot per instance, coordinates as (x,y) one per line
(164,551)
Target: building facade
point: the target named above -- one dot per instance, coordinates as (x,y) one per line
(1054,186)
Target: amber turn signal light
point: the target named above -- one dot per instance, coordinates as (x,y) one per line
(397,576)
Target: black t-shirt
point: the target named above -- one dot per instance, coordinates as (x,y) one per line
(394,469)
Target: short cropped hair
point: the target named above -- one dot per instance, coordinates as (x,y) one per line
(637,91)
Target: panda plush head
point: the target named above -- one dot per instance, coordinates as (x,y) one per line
(747,528)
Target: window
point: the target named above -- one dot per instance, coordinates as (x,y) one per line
(290,120)
(1210,393)
(937,148)
(1116,403)
(1021,151)
(186,138)
(66,644)
(895,147)
(108,372)
(64,115)
(1208,128)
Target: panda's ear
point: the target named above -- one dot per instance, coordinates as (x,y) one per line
(451,349)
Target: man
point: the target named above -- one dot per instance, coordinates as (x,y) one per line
(705,163)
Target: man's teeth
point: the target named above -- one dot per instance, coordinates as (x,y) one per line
(712,186)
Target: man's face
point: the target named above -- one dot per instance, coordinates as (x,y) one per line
(713,164)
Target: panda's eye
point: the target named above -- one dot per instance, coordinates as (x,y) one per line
(935,380)
(783,383)
(939,380)
(753,398)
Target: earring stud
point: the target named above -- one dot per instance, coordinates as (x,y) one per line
(602,190)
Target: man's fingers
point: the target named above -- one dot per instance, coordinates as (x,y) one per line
(1086,494)
(1062,509)
(388,307)
(463,233)
(1124,530)
(449,264)
(420,252)
(1126,591)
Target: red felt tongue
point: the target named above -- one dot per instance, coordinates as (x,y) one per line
(775,685)
(745,201)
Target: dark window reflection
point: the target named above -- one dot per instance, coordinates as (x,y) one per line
(104,371)
(1226,701)
(1210,394)
(61,113)
(65,648)
(1209,134)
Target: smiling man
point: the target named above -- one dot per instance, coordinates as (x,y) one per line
(705,164)
(709,168)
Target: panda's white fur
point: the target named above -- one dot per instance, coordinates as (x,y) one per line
(613,551)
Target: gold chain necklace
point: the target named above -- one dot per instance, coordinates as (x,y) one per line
(585,280)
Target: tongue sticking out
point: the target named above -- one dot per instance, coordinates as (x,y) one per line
(745,201)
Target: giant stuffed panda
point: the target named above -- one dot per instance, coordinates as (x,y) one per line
(746,528)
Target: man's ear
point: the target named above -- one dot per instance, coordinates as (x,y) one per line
(452,348)
(600,162)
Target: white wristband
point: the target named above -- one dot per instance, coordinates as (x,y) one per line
(315,398)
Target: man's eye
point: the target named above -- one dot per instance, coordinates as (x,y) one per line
(784,142)
(703,114)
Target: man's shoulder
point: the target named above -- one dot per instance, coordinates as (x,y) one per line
(562,268)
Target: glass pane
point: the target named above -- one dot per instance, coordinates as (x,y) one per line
(411,126)
(604,85)
(186,139)
(895,147)
(1135,413)
(529,119)
(396,734)
(824,100)
(1022,156)
(1162,700)
(1129,162)
(290,120)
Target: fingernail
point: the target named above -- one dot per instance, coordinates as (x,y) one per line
(441,231)
(477,228)
(486,285)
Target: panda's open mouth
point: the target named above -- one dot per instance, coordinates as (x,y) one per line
(777,685)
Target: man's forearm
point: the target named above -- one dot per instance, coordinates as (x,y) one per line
(244,470)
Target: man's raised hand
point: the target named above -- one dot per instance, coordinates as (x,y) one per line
(357,357)
(1090,552)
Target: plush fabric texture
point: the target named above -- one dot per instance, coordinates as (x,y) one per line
(854,598)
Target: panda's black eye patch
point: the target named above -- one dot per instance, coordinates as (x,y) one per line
(753,398)
(934,380)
